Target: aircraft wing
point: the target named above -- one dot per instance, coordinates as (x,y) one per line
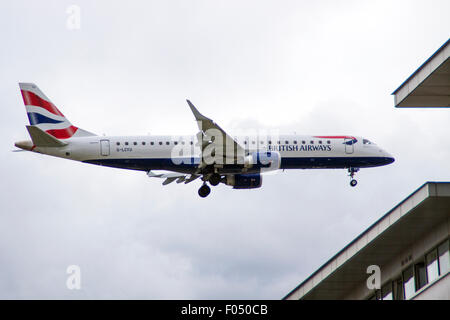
(171,177)
(213,136)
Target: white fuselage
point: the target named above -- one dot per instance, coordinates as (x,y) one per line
(182,154)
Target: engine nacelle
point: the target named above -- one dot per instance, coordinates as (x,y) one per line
(265,161)
(244,181)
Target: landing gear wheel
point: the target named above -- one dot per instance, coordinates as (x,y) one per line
(351,173)
(214,180)
(204,191)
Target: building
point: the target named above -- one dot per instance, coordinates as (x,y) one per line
(410,245)
(429,85)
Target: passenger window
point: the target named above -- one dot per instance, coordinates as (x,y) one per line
(135,143)
(118,143)
(167,142)
(329,142)
(312,142)
(152,143)
(320,141)
(270,141)
(143,143)
(160,143)
(175,143)
(303,142)
(295,141)
(286,142)
(126,143)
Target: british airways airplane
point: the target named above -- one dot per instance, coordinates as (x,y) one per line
(211,154)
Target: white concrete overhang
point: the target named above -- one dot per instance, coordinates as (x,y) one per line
(429,85)
(412,218)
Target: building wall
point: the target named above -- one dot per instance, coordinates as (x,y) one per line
(439,290)
(408,256)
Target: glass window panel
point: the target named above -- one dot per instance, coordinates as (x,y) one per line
(408,283)
(421,275)
(432,266)
(444,258)
(398,289)
(386,292)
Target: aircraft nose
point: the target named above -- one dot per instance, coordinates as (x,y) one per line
(388,158)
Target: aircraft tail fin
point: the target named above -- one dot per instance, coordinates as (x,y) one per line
(44,115)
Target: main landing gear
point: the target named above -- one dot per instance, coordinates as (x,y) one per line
(204,190)
(214,179)
(351,173)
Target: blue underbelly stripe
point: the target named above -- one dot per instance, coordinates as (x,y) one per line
(189,164)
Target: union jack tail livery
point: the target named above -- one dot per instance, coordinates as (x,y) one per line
(44,115)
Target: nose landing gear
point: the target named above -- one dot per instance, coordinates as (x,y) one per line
(351,173)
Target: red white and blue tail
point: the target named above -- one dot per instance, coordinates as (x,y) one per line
(43,114)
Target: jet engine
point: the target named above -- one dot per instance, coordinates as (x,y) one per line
(244,181)
(264,161)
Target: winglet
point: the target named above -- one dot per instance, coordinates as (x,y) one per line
(198,116)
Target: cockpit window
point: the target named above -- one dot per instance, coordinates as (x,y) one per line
(366,142)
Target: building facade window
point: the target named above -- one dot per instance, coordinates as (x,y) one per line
(398,289)
(421,275)
(408,283)
(429,268)
(444,258)
(432,266)
(386,292)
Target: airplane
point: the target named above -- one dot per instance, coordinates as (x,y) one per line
(211,155)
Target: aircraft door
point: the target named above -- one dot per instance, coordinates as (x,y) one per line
(348,146)
(104,147)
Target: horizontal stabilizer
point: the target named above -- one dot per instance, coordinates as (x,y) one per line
(41,138)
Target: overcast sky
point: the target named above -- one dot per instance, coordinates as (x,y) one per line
(310,67)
